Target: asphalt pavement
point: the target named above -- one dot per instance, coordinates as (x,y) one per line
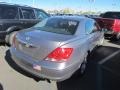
(14,78)
(102,73)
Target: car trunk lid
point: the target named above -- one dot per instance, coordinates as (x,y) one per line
(38,44)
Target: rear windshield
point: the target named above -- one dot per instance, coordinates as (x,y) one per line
(114,15)
(58,25)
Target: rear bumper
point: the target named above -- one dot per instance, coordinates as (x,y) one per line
(49,70)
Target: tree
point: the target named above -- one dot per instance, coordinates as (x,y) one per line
(68,11)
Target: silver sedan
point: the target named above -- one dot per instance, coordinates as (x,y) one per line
(56,47)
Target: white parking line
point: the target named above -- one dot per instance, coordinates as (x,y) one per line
(110,56)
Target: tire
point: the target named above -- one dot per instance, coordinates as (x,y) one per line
(83,66)
(9,38)
(82,69)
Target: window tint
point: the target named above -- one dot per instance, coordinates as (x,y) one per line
(8,12)
(28,13)
(58,25)
(41,14)
(89,27)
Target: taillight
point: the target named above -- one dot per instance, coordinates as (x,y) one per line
(116,26)
(60,54)
(13,41)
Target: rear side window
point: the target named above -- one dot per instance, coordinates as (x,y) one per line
(41,14)
(91,27)
(28,13)
(58,25)
(8,12)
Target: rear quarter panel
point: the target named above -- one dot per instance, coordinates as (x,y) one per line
(80,48)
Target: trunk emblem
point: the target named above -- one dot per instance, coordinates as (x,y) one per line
(27,38)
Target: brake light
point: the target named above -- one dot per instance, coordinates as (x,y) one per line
(13,41)
(60,54)
(116,26)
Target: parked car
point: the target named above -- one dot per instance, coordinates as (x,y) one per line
(17,17)
(110,22)
(56,47)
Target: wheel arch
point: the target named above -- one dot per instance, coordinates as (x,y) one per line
(13,28)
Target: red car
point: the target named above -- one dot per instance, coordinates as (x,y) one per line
(110,22)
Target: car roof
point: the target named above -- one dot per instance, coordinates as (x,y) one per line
(112,12)
(77,18)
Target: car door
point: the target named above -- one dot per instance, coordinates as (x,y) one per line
(92,33)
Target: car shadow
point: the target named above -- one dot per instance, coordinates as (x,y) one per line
(77,81)
(17,68)
(2,44)
(112,40)
(89,81)
(117,42)
(1,87)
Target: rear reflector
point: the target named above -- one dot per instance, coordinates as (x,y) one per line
(60,54)
(37,67)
